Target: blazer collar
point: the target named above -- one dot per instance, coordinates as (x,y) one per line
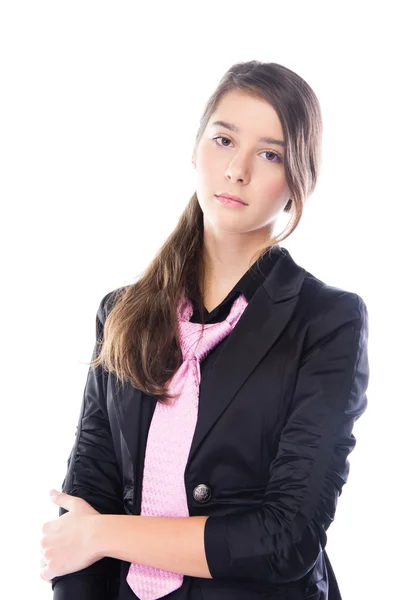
(262,322)
(247,285)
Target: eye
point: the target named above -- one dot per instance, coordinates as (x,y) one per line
(274,154)
(222,137)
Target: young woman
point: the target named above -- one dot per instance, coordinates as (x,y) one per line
(217,418)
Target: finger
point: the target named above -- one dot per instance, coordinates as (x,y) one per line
(66,501)
(46,574)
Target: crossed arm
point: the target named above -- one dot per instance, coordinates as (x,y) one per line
(169,543)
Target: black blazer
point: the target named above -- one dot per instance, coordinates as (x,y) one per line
(271,445)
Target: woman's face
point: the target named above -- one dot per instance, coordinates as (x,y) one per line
(239,163)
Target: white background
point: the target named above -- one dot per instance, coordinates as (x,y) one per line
(100,103)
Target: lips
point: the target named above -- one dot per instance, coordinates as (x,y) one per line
(231,197)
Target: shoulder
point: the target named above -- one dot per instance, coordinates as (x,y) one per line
(321,292)
(317,297)
(319,300)
(108,301)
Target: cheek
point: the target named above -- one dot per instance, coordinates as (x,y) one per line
(210,159)
(207,164)
(275,189)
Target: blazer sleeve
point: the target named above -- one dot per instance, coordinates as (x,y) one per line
(94,475)
(281,540)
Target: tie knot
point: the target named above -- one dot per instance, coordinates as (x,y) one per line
(197,341)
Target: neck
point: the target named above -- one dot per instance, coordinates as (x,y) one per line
(227,256)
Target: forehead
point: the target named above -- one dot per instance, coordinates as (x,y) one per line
(250,113)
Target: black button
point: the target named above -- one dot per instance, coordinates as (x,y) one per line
(202,493)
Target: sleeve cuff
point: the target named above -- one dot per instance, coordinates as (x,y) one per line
(216,547)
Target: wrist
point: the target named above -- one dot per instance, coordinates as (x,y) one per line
(97,542)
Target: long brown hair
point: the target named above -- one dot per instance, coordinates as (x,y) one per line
(140,342)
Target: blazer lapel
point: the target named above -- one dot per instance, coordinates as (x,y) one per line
(260,325)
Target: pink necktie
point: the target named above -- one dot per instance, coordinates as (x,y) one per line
(169,441)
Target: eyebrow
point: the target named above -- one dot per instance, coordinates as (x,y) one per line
(232,127)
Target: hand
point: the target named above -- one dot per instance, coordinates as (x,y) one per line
(68,542)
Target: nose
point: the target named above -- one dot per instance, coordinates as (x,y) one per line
(237,171)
